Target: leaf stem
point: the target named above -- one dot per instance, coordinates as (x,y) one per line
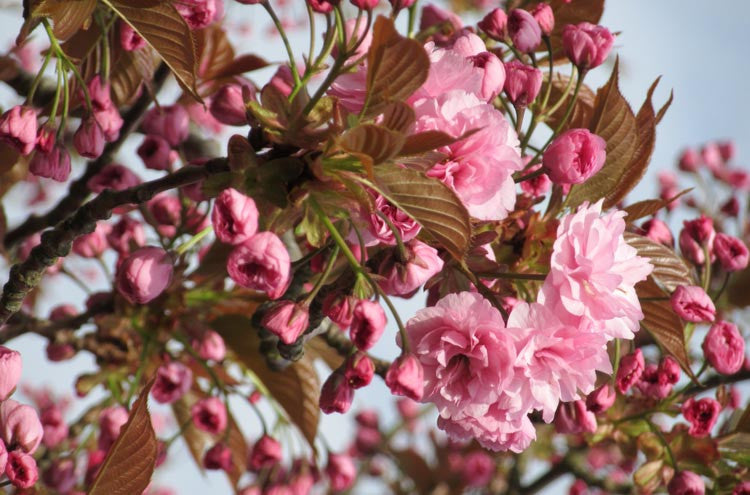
(182,249)
(290,53)
(38,78)
(323,277)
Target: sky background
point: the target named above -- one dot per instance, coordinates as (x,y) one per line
(697,47)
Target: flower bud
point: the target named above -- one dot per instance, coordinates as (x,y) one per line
(731,252)
(111,421)
(712,157)
(701,414)
(406,377)
(46,138)
(368,324)
(94,244)
(144,275)
(323,6)
(209,415)
(478,469)
(210,346)
(522,83)
(197,13)
(110,122)
(10,371)
(20,426)
(54,426)
(574,156)
(724,348)
(126,233)
(573,418)
(89,138)
(367,418)
(671,369)
(113,176)
(287,320)
(691,303)
(690,160)
(60,476)
(402,279)
(586,44)
(601,399)
(54,165)
(495,24)
(493,74)
(234,217)
(218,457)
(742,488)
(695,236)
(173,380)
(130,41)
(336,395)
(341,472)
(654,383)
(21,470)
(544,16)
(228,106)
(18,128)
(156,153)
(367,441)
(686,483)
(339,309)
(170,122)
(630,370)
(265,453)
(359,370)
(658,231)
(727,150)
(446,22)
(365,4)
(731,208)
(524,30)
(261,264)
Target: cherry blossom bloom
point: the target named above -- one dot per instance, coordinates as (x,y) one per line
(495,429)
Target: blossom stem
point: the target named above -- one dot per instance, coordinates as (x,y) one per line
(38,78)
(280,28)
(58,91)
(323,277)
(399,241)
(412,19)
(532,175)
(182,249)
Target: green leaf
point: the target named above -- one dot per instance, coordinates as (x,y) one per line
(68,16)
(430,202)
(669,269)
(131,461)
(164,29)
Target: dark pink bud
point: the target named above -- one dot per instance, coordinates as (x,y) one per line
(701,414)
(654,383)
(197,13)
(99,93)
(601,399)
(45,138)
(18,128)
(228,106)
(359,370)
(695,236)
(339,309)
(522,83)
(341,471)
(477,469)
(94,244)
(406,377)
(234,217)
(686,483)
(111,421)
(173,380)
(401,279)
(367,418)
(265,453)
(671,369)
(21,470)
(524,30)
(731,208)
(543,14)
(368,324)
(170,122)
(287,320)
(113,176)
(211,346)
(10,371)
(129,39)
(367,440)
(537,186)
(731,252)
(336,395)
(690,160)
(365,4)
(144,275)
(691,303)
(54,165)
(712,157)
(574,418)
(658,231)
(586,44)
(209,415)
(727,150)
(631,367)
(742,488)
(126,234)
(89,138)
(156,153)
(724,348)
(61,475)
(323,6)
(262,264)
(493,74)
(218,457)
(446,22)
(20,426)
(166,209)
(110,121)
(574,156)
(54,426)
(495,24)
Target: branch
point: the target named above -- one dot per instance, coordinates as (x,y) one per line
(78,190)
(57,242)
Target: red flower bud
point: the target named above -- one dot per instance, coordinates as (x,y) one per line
(406,377)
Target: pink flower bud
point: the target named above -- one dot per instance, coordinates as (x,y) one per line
(21,470)
(658,231)
(537,186)
(287,320)
(654,383)
(167,211)
(156,153)
(45,138)
(446,22)
(261,264)
(218,457)
(170,122)
(574,156)
(695,236)
(368,324)
(111,421)
(234,217)
(524,30)
(129,39)
(339,309)
(228,106)
(341,471)
(601,399)
(522,83)
(99,93)
(401,279)
(197,13)
(630,370)
(18,128)
(211,346)
(686,483)
(89,138)
(742,488)
(54,426)
(336,395)
(126,234)
(731,208)
(731,252)
(173,380)
(701,414)
(712,157)
(574,418)
(478,469)
(93,244)
(586,44)
(691,303)
(365,4)
(144,275)
(113,176)
(495,24)
(265,453)
(406,377)
(61,475)
(724,348)
(367,418)
(110,121)
(727,150)
(671,369)
(209,415)
(359,370)
(323,6)
(493,74)
(367,441)
(543,14)
(54,165)
(20,426)
(10,371)
(689,160)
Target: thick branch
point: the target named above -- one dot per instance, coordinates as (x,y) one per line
(57,242)
(78,190)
